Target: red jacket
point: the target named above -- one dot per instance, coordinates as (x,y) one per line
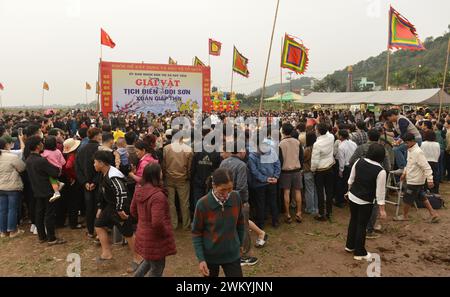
(154,235)
(69,167)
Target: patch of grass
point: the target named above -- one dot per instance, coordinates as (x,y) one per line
(252,271)
(78,248)
(290,248)
(393,228)
(21,264)
(264,252)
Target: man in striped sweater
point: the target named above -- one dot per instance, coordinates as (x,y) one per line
(218,227)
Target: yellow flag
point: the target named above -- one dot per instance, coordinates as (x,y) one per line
(88,86)
(172,61)
(45,86)
(198,62)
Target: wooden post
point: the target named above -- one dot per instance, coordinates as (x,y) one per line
(268,59)
(232,76)
(281,80)
(444,82)
(43,93)
(387,68)
(99,86)
(99,78)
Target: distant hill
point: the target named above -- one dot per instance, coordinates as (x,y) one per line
(403,69)
(297,84)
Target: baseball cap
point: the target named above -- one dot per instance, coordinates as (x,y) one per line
(9,139)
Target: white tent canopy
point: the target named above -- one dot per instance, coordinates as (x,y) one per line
(285,97)
(426,96)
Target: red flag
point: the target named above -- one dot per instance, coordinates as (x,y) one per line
(294,55)
(240,63)
(1,87)
(106,40)
(214,47)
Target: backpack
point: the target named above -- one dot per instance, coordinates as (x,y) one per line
(436,200)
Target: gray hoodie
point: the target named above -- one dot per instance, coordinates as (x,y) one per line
(239,171)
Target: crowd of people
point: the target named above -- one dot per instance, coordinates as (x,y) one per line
(86,170)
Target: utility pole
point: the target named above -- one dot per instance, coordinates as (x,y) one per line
(290,80)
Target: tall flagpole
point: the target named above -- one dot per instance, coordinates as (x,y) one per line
(232,76)
(445,80)
(387,68)
(281,79)
(98,82)
(86,97)
(388,51)
(43,92)
(268,59)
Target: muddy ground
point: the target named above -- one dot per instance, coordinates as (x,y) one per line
(414,248)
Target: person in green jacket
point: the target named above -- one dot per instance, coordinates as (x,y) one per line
(218,228)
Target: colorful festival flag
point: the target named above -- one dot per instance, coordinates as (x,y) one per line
(45,86)
(105,39)
(88,86)
(1,87)
(214,47)
(294,56)
(198,62)
(240,63)
(402,34)
(172,61)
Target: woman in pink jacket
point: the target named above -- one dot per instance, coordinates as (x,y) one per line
(145,158)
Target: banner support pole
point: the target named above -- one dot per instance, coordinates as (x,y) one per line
(268,59)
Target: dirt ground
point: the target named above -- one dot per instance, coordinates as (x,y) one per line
(414,248)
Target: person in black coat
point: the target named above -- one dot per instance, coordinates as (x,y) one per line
(367,184)
(87,176)
(39,170)
(204,163)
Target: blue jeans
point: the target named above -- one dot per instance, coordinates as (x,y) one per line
(9,205)
(151,268)
(401,153)
(310,193)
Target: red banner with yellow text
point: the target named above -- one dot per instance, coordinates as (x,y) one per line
(130,87)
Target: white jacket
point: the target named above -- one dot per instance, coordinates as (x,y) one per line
(417,168)
(322,154)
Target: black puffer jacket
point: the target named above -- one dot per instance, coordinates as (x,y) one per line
(84,164)
(113,193)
